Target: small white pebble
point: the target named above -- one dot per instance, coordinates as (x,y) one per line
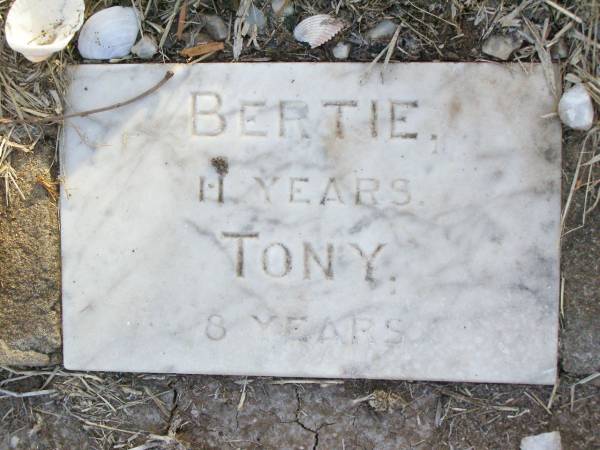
(14,442)
(544,441)
(341,50)
(145,48)
(384,29)
(575,108)
(282,7)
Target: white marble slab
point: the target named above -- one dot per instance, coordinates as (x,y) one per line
(405,228)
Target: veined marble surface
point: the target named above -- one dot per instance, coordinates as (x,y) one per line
(307,220)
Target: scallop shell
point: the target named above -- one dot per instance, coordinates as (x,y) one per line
(110,33)
(316,30)
(39,28)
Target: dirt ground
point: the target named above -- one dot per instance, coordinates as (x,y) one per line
(200,412)
(50,408)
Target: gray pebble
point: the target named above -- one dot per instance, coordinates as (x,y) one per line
(215,27)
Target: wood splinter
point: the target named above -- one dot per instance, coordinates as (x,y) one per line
(202,49)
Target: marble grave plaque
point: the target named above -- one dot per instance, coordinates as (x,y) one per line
(308,220)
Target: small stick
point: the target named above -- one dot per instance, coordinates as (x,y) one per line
(181,21)
(62,117)
(293,381)
(202,49)
(4,393)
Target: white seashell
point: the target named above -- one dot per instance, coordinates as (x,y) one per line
(39,28)
(341,50)
(145,48)
(575,108)
(110,33)
(316,30)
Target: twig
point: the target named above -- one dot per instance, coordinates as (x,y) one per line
(106,427)
(202,49)
(4,393)
(292,381)
(35,373)
(181,20)
(62,117)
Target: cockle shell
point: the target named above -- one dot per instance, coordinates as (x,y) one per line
(110,33)
(316,30)
(39,28)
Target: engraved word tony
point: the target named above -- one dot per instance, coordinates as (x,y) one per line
(278,260)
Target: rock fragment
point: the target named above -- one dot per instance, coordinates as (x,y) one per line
(501,46)
(575,108)
(544,441)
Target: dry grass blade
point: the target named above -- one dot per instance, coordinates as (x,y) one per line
(50,186)
(544,55)
(169,24)
(390,48)
(536,400)
(564,11)
(239,28)
(580,382)
(592,136)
